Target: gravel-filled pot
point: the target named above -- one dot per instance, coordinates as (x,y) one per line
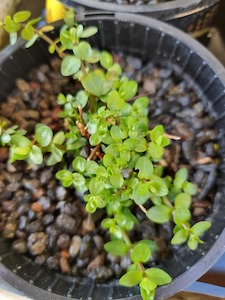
(187,15)
(159,43)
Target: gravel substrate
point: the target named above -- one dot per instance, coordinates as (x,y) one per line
(48,222)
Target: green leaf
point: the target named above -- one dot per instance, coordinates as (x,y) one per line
(56,155)
(128,89)
(141,193)
(91,167)
(141,105)
(96,185)
(145,167)
(96,85)
(189,188)
(193,242)
(22,16)
(140,253)
(82,98)
(59,138)
(116,180)
(91,206)
(117,248)
(20,141)
(180,237)
(95,139)
(158,276)
(158,186)
(151,245)
(34,21)
(180,177)
(27,33)
(89,31)
(78,179)
(148,285)
(159,214)
(199,228)
(43,135)
(83,50)
(69,18)
(156,133)
(32,41)
(80,29)
(116,133)
(181,214)
(107,223)
(142,145)
(70,65)
(22,151)
(5,138)
(155,151)
(108,160)
(114,101)
(183,200)
(66,177)
(106,60)
(131,278)
(11,25)
(35,155)
(66,39)
(79,164)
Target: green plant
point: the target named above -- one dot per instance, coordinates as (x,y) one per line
(122,168)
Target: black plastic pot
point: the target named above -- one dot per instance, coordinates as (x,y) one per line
(154,41)
(188,15)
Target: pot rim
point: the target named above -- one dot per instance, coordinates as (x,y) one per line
(178,6)
(218,248)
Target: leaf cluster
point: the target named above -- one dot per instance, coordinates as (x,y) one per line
(122,168)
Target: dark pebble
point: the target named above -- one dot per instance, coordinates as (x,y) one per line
(37,243)
(35,226)
(67,223)
(63,241)
(20,246)
(53,262)
(100,274)
(47,219)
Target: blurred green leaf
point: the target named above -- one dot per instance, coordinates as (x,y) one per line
(159,214)
(70,65)
(21,16)
(35,155)
(43,135)
(158,276)
(128,89)
(145,167)
(89,31)
(140,253)
(180,237)
(117,248)
(199,228)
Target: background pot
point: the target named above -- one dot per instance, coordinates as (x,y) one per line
(151,40)
(188,15)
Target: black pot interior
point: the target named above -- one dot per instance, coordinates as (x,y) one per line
(187,15)
(151,44)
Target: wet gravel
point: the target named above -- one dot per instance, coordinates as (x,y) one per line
(48,222)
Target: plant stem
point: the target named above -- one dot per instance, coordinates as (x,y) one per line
(167,202)
(141,267)
(50,42)
(126,238)
(143,208)
(93,152)
(172,137)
